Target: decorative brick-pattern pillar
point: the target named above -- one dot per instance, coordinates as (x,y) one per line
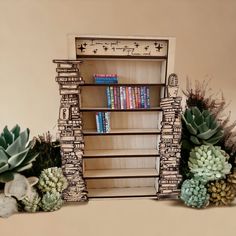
(170,148)
(70,129)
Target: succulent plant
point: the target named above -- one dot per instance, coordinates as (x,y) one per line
(8,206)
(209,162)
(194,193)
(49,154)
(51,201)
(52,180)
(200,127)
(14,153)
(221,192)
(231,178)
(31,202)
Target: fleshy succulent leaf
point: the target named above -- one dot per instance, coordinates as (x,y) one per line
(3,156)
(20,143)
(16,131)
(3,167)
(195,140)
(3,142)
(17,159)
(209,133)
(8,135)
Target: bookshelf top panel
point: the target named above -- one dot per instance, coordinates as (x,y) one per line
(93,47)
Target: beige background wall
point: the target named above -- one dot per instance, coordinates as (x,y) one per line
(33,32)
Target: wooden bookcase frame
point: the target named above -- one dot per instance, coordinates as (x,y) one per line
(131,182)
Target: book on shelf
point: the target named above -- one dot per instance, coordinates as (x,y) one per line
(128,97)
(103,122)
(105,78)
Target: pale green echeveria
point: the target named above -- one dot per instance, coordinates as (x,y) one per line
(194,193)
(31,202)
(209,163)
(51,201)
(201,127)
(52,180)
(14,153)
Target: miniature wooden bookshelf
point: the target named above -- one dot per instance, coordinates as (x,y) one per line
(124,162)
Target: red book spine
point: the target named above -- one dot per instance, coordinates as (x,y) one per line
(127,97)
(136,97)
(139,97)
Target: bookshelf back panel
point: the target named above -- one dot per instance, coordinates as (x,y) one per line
(128,71)
(125,120)
(119,163)
(99,98)
(120,183)
(121,142)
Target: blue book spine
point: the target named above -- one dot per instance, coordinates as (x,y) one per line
(100,122)
(103,122)
(124,98)
(108,97)
(148,97)
(142,97)
(145,96)
(97,123)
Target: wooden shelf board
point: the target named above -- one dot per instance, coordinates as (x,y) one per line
(122,192)
(120,173)
(120,153)
(122,132)
(90,109)
(125,84)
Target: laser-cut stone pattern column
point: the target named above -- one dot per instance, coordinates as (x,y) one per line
(70,129)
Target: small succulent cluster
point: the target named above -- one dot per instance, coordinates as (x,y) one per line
(52,180)
(207,161)
(221,192)
(194,193)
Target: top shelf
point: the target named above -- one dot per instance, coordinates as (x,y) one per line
(126,84)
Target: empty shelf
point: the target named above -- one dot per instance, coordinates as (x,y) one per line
(120,153)
(122,192)
(120,173)
(91,132)
(90,109)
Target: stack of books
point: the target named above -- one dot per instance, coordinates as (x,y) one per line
(103,122)
(105,78)
(128,97)
(103,118)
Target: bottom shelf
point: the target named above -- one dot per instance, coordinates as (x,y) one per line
(148,192)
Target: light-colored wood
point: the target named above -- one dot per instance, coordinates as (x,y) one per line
(116,173)
(104,151)
(123,192)
(120,152)
(121,182)
(119,163)
(123,131)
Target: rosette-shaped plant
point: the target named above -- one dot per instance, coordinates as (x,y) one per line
(221,192)
(200,127)
(31,201)
(14,153)
(194,193)
(52,180)
(209,162)
(51,201)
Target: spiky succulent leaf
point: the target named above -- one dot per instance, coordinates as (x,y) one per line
(16,131)
(194,193)
(9,137)
(209,163)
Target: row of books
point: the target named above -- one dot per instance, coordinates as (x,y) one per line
(128,97)
(105,78)
(103,122)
